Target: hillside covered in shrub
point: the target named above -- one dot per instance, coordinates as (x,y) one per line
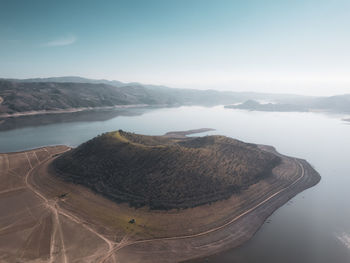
(163,172)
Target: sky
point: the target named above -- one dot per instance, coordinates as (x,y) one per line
(281,46)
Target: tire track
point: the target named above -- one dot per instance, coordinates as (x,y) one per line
(59,227)
(56,210)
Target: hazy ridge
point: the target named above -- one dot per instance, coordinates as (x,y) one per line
(40,95)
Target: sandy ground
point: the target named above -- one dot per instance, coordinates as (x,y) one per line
(69,110)
(44,219)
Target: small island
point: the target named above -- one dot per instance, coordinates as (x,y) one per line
(126,197)
(253,105)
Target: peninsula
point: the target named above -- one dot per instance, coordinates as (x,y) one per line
(125,197)
(256,106)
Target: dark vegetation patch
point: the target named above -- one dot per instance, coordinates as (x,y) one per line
(20,97)
(165,173)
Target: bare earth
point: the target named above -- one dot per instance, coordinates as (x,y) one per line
(183,134)
(69,110)
(44,219)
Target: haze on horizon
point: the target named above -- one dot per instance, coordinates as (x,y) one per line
(300,46)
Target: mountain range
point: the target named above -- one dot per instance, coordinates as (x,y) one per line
(42,95)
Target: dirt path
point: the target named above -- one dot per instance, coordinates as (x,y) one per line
(56,210)
(59,227)
(4,163)
(12,190)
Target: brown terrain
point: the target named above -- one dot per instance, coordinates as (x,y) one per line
(183,134)
(68,110)
(44,219)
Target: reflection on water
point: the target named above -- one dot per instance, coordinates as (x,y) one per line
(313,227)
(82,116)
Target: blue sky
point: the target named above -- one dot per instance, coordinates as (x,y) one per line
(273,46)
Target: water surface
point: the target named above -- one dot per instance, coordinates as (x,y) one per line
(313,227)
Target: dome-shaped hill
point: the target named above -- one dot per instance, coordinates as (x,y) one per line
(163,172)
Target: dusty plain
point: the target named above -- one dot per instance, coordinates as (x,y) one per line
(44,219)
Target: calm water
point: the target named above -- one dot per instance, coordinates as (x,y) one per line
(312,227)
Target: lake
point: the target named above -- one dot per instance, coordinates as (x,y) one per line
(312,227)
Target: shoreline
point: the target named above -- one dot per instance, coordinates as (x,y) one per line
(184,134)
(311,179)
(231,232)
(259,213)
(70,110)
(242,223)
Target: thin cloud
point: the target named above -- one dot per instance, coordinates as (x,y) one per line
(64,41)
(345,239)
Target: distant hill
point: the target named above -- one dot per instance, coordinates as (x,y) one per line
(163,172)
(72,79)
(256,106)
(333,104)
(339,103)
(35,96)
(24,96)
(62,93)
